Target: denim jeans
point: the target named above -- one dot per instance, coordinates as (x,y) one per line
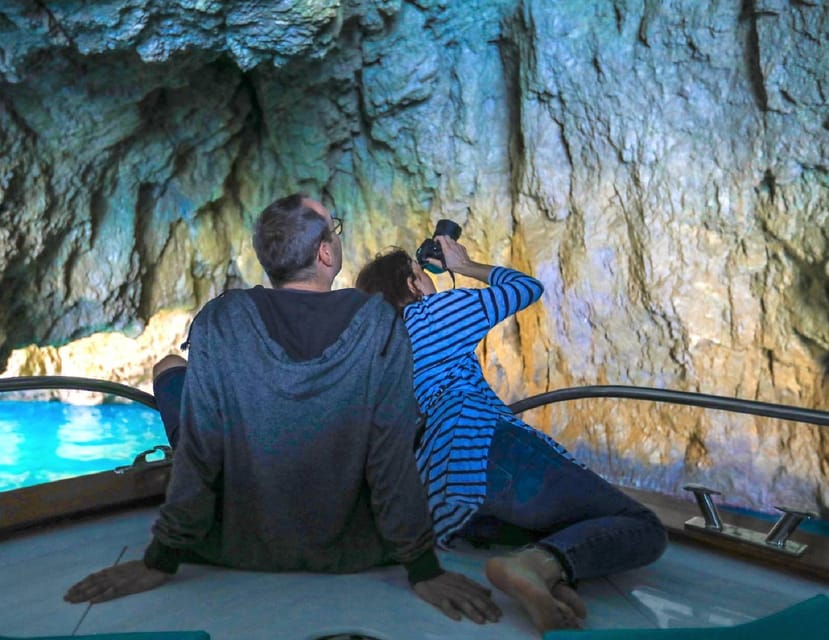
(167,389)
(534,493)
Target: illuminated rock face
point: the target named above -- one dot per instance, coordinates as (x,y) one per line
(662,169)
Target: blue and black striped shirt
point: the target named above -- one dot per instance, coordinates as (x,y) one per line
(461,408)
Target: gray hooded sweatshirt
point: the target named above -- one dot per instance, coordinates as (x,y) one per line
(287,465)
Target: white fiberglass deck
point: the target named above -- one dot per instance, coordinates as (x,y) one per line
(688,587)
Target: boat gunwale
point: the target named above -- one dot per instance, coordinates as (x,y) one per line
(108,491)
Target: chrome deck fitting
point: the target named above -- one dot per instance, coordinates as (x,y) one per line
(142,460)
(776,539)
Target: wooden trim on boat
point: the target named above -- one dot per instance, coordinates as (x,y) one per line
(53,501)
(674,512)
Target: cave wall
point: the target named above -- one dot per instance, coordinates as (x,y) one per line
(660,166)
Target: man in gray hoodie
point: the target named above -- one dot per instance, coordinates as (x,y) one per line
(294,444)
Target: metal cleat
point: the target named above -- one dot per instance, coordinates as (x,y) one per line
(141,460)
(775,540)
(706,505)
(786,525)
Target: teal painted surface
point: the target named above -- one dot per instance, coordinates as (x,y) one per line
(806,620)
(147,635)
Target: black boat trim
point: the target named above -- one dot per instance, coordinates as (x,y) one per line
(704,400)
(35,383)
(691,398)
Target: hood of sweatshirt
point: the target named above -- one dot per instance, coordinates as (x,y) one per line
(234,319)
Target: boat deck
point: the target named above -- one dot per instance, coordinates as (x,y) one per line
(690,586)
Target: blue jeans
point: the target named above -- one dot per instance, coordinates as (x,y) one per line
(535,494)
(167,389)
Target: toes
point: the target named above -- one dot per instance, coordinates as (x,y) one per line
(566,594)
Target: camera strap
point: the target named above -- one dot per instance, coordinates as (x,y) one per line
(448,270)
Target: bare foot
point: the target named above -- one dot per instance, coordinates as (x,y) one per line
(566,594)
(528,577)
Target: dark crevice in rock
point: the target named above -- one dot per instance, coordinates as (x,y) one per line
(696,54)
(60,61)
(511,64)
(254,120)
(649,13)
(808,295)
(788,97)
(637,239)
(455,99)
(152,104)
(29,136)
(251,133)
(768,185)
(696,453)
(752,55)
(365,119)
(619,16)
(565,143)
(144,206)
(813,286)
(597,65)
(54,24)
(13,288)
(97,211)
(820,352)
(155,109)
(769,354)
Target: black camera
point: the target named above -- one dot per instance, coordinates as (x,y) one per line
(431,248)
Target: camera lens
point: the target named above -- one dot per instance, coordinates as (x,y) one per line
(430,248)
(448,228)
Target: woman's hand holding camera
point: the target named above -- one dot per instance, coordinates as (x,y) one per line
(457,260)
(454,253)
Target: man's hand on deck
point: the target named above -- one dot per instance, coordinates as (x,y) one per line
(458,596)
(115,582)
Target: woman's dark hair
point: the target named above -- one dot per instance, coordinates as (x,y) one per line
(286,238)
(389,274)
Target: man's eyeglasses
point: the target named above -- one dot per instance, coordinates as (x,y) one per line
(336,225)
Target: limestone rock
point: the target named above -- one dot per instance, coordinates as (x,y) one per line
(661,167)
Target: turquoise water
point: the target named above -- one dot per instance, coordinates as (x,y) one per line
(45,441)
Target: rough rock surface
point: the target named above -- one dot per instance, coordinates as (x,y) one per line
(662,167)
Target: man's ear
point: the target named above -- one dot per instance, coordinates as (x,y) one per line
(412,282)
(325,254)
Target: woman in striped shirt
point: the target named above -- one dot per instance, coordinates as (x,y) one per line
(487,473)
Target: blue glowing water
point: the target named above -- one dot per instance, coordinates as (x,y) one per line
(45,441)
